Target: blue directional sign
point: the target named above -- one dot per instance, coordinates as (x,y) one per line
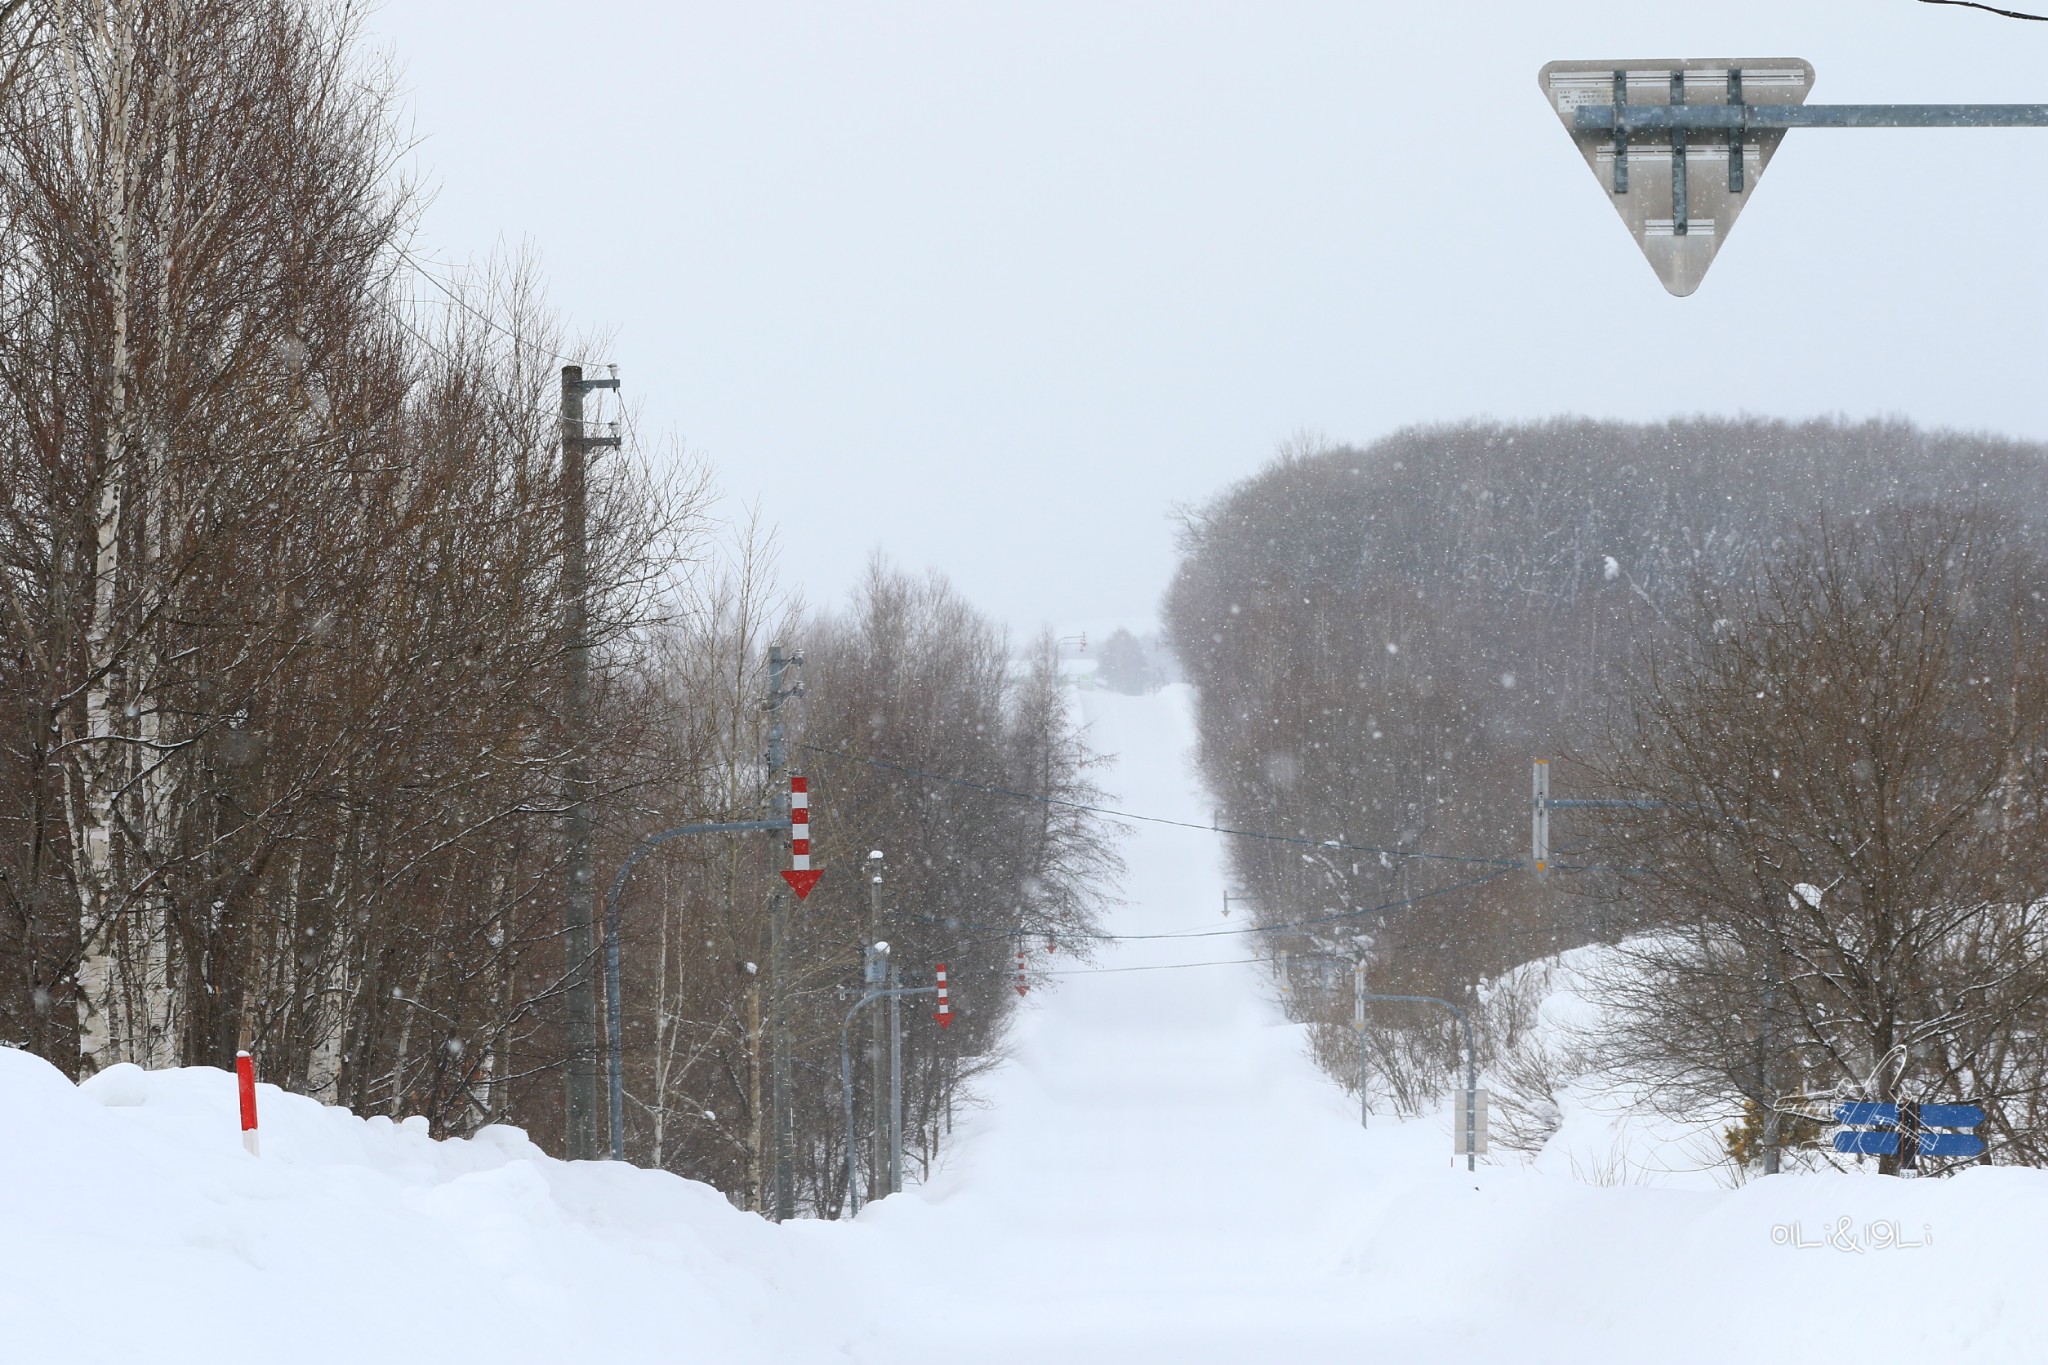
(1864,1143)
(1907,1130)
(1862,1113)
(1951,1144)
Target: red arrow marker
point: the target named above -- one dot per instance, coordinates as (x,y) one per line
(800,876)
(945,1014)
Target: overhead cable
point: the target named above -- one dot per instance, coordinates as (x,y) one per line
(1304,841)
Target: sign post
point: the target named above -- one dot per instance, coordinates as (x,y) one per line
(1472,1140)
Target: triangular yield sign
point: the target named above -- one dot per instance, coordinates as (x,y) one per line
(802,882)
(1679,195)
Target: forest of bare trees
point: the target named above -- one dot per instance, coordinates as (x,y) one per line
(1832,859)
(1384,638)
(918,727)
(283,642)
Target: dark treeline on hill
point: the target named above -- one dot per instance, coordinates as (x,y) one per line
(1383,639)
(285,630)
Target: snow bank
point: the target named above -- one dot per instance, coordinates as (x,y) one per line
(138,1229)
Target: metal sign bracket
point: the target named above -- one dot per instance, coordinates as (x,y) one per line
(1705,131)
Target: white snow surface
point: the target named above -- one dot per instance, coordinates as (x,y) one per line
(1159,1174)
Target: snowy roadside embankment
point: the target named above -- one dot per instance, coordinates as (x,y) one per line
(138,1229)
(1618,1231)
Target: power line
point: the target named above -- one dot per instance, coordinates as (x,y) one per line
(1304,841)
(486,319)
(1991,9)
(1005,931)
(1162,967)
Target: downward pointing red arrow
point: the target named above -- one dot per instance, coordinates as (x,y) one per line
(802,882)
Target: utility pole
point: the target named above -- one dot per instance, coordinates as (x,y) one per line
(781,1113)
(580,995)
(1358,1027)
(1768,1062)
(781,1117)
(878,1160)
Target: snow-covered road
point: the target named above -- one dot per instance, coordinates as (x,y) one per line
(1163,1175)
(1153,1177)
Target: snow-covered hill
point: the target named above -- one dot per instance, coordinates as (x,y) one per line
(1160,1175)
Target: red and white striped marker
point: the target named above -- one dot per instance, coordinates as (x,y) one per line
(1023,982)
(1052,944)
(945,1013)
(800,876)
(245,1081)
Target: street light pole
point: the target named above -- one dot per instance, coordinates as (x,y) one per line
(896,1080)
(846,1081)
(878,1168)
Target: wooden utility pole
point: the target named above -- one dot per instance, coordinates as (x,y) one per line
(781,1108)
(579,1031)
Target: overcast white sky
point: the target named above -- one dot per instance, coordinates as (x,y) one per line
(993,285)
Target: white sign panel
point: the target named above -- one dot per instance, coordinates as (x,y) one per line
(1478,1123)
(1678,192)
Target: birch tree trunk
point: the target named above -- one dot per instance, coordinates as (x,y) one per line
(98,760)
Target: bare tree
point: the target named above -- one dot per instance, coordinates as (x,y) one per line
(279,629)
(1839,775)
(921,737)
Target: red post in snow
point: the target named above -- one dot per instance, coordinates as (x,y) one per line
(245,1081)
(945,1011)
(1023,982)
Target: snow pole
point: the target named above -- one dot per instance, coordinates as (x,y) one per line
(245,1082)
(1023,982)
(944,1015)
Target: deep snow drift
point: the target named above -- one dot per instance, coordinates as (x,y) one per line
(1160,1175)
